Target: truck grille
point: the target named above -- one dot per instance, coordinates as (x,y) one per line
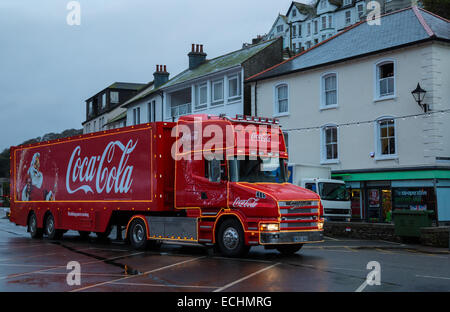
(299,215)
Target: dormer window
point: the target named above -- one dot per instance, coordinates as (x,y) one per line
(279,28)
(294,13)
(323,4)
(347,2)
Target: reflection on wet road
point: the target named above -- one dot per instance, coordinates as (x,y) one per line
(336,265)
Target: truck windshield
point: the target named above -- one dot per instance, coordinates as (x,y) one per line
(333,191)
(255,170)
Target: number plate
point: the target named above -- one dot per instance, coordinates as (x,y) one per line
(300,239)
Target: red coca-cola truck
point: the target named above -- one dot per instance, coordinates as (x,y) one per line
(211,180)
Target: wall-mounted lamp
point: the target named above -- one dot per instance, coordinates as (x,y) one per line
(419,95)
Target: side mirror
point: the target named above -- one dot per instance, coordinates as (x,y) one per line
(214,171)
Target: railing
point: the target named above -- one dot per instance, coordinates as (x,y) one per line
(180,110)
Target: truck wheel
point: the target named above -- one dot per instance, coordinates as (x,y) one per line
(50,230)
(35,232)
(289,249)
(138,234)
(230,239)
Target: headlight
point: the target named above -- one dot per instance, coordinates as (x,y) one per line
(320,224)
(269,227)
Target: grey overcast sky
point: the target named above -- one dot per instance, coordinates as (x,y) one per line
(48,68)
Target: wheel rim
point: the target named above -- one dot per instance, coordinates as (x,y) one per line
(50,225)
(230,238)
(138,233)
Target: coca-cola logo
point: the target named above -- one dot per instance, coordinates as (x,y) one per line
(251,202)
(100,169)
(260,137)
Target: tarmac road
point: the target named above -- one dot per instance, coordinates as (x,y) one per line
(335,265)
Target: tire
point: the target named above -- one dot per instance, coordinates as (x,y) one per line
(35,232)
(230,239)
(84,235)
(137,234)
(49,228)
(288,250)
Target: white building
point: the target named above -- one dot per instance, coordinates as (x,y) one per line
(214,86)
(305,25)
(347,104)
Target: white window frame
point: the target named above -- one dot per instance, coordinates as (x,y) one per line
(238,96)
(113,100)
(347,2)
(324,22)
(197,105)
(378,154)
(323,147)
(323,105)
(330,21)
(300,30)
(294,12)
(349,17)
(136,116)
(276,111)
(280,28)
(360,13)
(220,101)
(104,100)
(376,73)
(294,31)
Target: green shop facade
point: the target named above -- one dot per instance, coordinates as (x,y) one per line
(377,193)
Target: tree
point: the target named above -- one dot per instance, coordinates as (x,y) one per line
(4,156)
(439,7)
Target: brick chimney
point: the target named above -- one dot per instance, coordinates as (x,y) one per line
(196,56)
(161,76)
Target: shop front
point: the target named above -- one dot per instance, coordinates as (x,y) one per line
(375,195)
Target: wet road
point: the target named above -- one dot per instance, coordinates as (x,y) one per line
(336,265)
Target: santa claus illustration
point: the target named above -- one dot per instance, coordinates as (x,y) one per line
(33,189)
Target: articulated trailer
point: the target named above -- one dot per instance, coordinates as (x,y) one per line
(211,180)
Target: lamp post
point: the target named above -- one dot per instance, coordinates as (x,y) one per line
(419,95)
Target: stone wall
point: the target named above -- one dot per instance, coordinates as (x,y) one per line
(361,230)
(430,236)
(435,236)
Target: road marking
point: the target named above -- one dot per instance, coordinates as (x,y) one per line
(243,259)
(351,249)
(246,277)
(145,273)
(436,277)
(64,266)
(361,288)
(334,239)
(164,285)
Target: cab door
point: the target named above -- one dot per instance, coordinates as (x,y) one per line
(206,185)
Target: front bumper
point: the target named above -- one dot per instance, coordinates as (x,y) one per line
(300,237)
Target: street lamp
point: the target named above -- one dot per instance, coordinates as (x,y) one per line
(419,95)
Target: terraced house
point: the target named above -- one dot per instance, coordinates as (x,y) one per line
(305,25)
(348,104)
(208,86)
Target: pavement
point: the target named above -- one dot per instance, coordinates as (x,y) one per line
(334,265)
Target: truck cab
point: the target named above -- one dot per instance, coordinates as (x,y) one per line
(334,196)
(238,185)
